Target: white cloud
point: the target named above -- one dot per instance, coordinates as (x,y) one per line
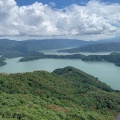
(93,21)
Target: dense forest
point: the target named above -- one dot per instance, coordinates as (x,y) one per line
(28,56)
(113,57)
(64,94)
(99,47)
(43,56)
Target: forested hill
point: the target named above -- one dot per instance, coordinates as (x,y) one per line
(64,94)
(112,57)
(100,47)
(11,48)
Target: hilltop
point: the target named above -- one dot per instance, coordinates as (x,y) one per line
(64,94)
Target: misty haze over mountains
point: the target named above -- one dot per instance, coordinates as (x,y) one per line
(16,48)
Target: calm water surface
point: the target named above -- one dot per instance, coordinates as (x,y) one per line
(105,71)
(54,52)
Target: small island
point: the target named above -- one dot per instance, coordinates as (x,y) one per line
(43,56)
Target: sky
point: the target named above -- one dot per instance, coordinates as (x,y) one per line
(69,19)
(61,3)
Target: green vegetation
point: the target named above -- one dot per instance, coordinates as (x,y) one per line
(100,47)
(43,56)
(64,94)
(2,61)
(113,57)
(117,64)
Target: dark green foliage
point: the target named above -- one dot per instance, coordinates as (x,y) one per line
(80,76)
(2,61)
(113,57)
(64,94)
(42,56)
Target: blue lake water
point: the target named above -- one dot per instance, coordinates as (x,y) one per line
(104,71)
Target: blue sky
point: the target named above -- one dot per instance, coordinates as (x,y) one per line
(60,3)
(73,19)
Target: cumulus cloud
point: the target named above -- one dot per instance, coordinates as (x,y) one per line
(95,20)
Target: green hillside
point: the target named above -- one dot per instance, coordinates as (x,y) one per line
(112,57)
(64,94)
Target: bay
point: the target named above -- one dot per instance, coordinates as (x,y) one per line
(104,71)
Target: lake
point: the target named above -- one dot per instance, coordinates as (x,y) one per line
(54,52)
(104,71)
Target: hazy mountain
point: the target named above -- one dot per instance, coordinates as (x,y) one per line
(11,48)
(100,47)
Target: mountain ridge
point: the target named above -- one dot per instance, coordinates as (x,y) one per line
(66,93)
(99,47)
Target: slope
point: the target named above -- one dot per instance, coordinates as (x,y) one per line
(100,47)
(12,48)
(64,94)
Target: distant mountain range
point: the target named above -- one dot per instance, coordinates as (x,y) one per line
(99,47)
(12,48)
(29,48)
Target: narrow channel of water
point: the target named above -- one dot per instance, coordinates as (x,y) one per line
(105,71)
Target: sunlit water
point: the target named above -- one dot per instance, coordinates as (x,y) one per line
(54,52)
(105,71)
